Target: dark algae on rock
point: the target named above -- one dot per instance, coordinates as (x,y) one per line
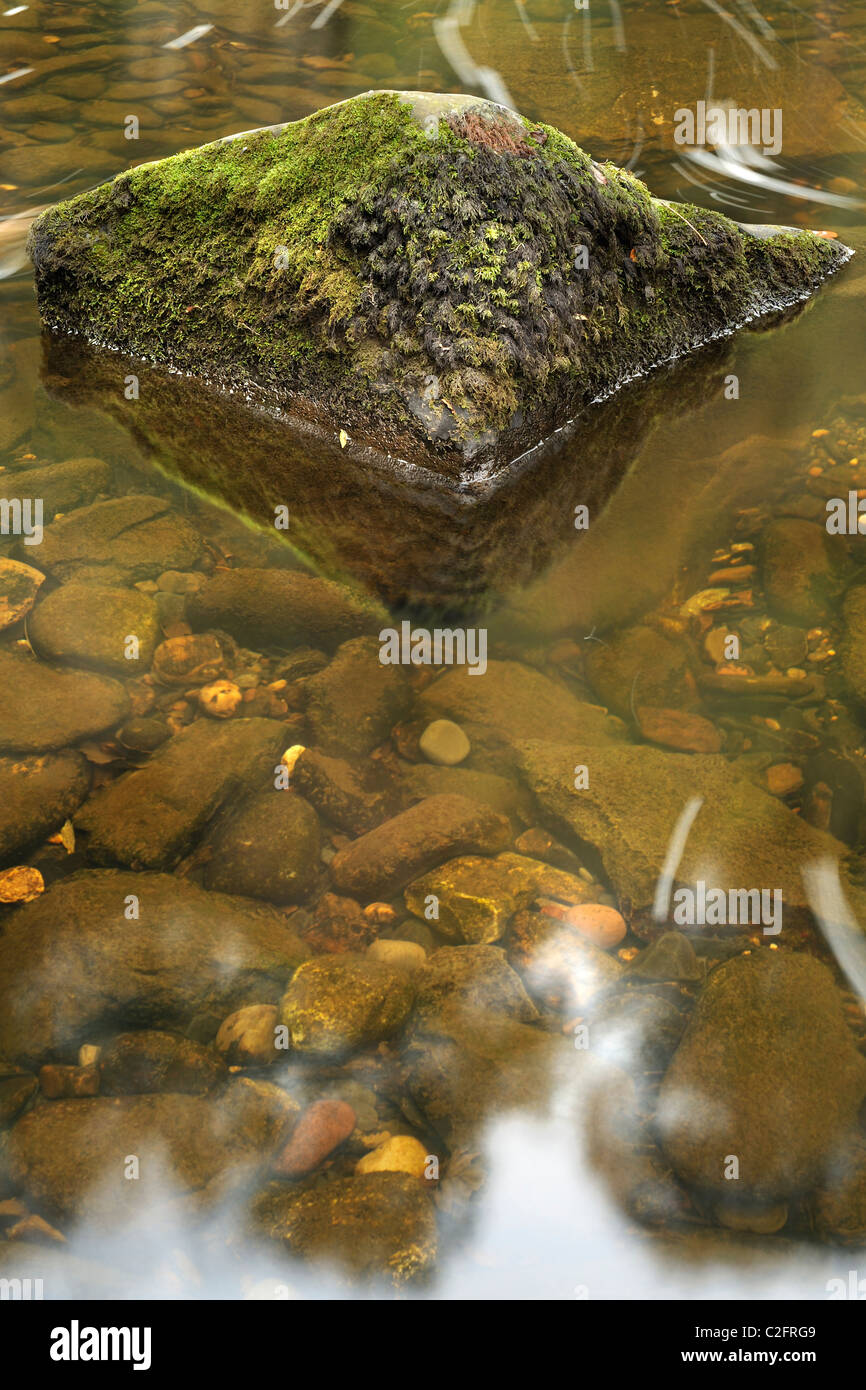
(434,275)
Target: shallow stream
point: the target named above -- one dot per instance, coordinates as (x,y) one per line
(582,1102)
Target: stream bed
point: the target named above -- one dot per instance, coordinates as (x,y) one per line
(405,890)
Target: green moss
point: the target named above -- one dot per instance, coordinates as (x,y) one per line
(424,278)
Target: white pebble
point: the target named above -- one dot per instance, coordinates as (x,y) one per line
(445,743)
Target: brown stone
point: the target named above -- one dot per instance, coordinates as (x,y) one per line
(322,1127)
(338,925)
(247,1036)
(603,926)
(438,828)
(674,728)
(58,1082)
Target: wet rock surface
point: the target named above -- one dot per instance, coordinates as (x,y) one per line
(461,1066)
(628,815)
(854,643)
(130,538)
(115,630)
(349,794)
(19,585)
(767,1072)
(490,167)
(37,794)
(560,967)
(45,707)
(385,859)
(638,667)
(320,1129)
(802,572)
(269,849)
(839,1203)
(280,608)
(149,1062)
(151,817)
(73,962)
(70,1155)
(343,1002)
(511,702)
(74,482)
(380,1226)
(409,907)
(17,1087)
(472,900)
(353,704)
(470,980)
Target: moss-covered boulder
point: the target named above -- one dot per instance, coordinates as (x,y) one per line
(434,274)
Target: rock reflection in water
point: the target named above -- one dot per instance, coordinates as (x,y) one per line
(417,541)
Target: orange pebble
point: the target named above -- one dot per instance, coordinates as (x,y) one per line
(603,926)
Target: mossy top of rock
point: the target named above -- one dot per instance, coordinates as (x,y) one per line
(409,267)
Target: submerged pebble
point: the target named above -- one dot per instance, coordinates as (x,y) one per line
(321,1128)
(444,742)
(399,1154)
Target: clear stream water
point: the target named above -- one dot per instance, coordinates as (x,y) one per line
(678,472)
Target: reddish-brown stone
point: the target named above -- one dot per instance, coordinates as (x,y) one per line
(322,1127)
(674,728)
(441,827)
